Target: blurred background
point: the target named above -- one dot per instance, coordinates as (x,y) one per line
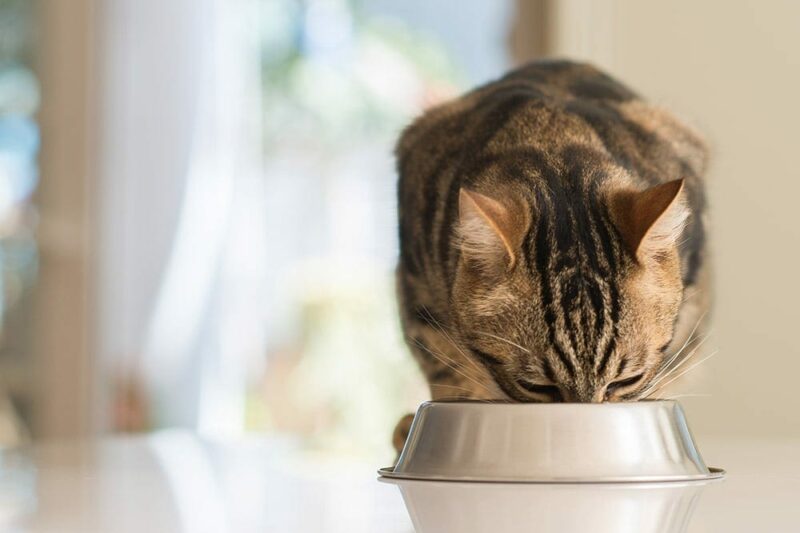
(197,208)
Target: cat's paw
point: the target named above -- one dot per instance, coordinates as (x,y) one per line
(401,432)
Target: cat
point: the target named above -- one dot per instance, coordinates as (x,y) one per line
(552,240)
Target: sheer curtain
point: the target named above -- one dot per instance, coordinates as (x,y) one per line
(248,211)
(182,208)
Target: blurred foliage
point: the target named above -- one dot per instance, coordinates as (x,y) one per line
(339,86)
(333,76)
(16,31)
(19,148)
(349,379)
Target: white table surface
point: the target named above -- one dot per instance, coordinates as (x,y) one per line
(176,482)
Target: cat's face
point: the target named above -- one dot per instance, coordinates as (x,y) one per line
(572,302)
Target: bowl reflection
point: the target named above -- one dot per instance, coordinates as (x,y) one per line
(442,506)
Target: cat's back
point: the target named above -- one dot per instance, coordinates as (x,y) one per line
(550,106)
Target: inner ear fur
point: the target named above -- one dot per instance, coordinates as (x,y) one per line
(490,229)
(652,220)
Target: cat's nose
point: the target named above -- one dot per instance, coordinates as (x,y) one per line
(585,394)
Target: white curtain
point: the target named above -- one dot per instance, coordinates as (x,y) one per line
(182,205)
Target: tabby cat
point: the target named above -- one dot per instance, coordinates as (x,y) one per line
(551,239)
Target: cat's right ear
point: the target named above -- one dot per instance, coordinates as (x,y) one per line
(652,220)
(489,231)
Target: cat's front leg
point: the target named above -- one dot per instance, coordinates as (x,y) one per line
(401,432)
(452,374)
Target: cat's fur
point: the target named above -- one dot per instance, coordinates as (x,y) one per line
(551,230)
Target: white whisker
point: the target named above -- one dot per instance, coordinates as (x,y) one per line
(689,339)
(665,367)
(700,362)
(683,361)
(504,340)
(689,295)
(437,326)
(461,398)
(668,368)
(456,387)
(450,365)
(688,395)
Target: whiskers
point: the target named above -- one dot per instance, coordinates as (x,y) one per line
(502,339)
(451,365)
(463,369)
(688,395)
(665,375)
(689,340)
(436,325)
(460,397)
(686,371)
(454,387)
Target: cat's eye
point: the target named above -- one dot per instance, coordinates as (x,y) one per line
(551,391)
(623,383)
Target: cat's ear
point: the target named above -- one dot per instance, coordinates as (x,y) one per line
(651,221)
(489,231)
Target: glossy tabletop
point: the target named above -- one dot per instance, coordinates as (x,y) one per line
(175,482)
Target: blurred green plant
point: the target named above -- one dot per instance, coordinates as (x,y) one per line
(333,76)
(19,148)
(350,379)
(337,85)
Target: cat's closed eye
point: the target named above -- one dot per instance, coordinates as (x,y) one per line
(622,384)
(550,391)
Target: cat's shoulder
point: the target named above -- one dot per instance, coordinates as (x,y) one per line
(564,79)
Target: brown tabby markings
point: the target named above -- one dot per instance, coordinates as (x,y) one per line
(550,223)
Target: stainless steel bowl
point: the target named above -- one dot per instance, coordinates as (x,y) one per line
(551,443)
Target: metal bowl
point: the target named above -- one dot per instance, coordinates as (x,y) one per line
(551,443)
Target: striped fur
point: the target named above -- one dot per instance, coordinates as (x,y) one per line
(576,315)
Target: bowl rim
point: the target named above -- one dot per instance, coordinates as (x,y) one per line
(713,473)
(544,405)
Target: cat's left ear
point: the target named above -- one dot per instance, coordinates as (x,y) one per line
(489,230)
(652,220)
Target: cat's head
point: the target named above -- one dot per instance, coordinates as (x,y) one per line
(570,298)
